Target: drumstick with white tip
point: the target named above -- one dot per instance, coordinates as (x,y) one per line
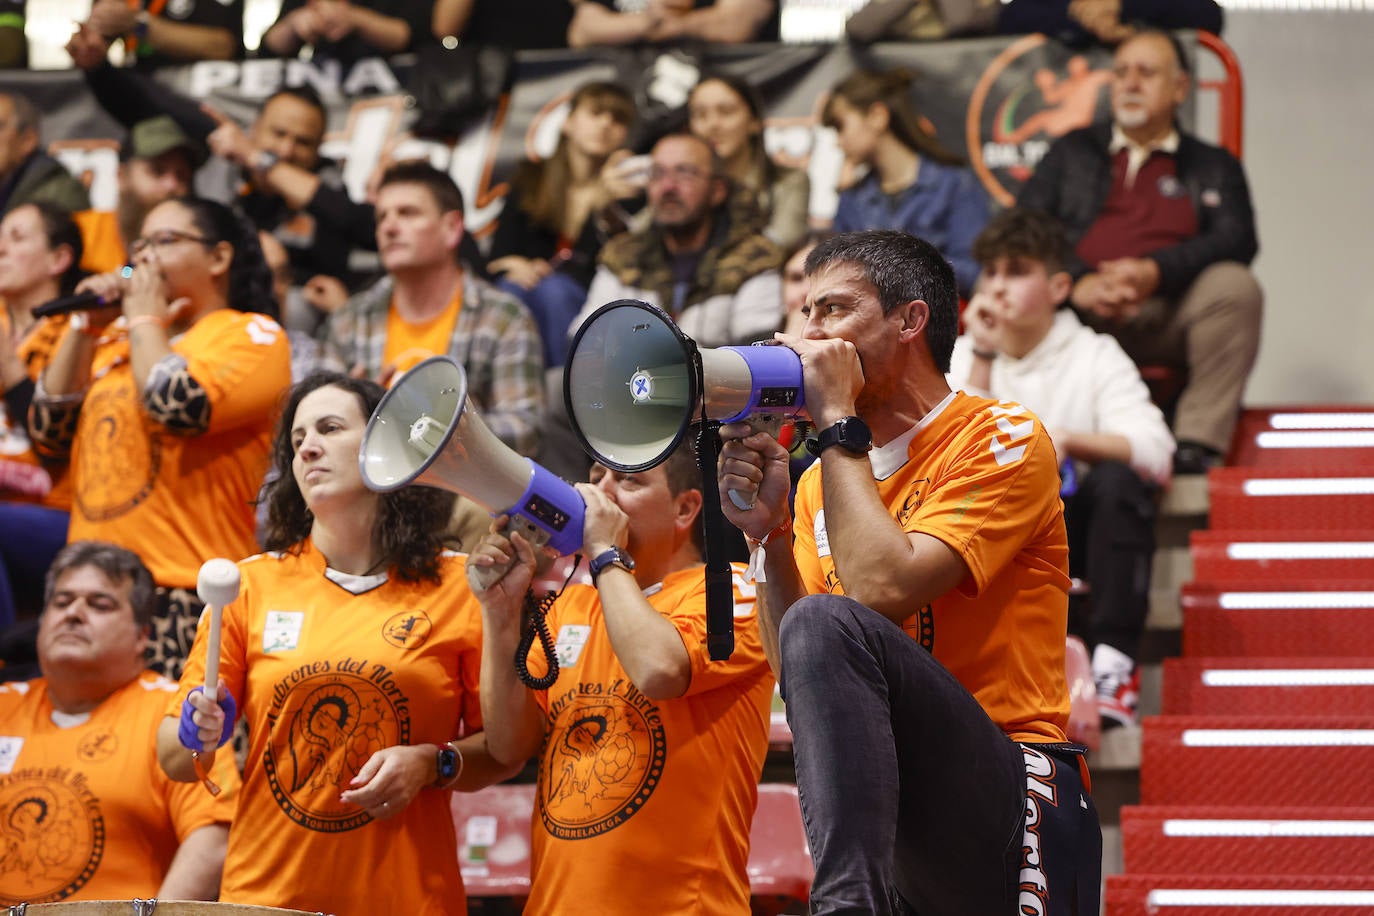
(217,585)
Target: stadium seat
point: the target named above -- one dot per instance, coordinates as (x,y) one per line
(494,839)
(1304,439)
(1268,686)
(780,869)
(1267,761)
(1158,840)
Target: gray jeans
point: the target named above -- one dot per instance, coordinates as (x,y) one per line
(914,801)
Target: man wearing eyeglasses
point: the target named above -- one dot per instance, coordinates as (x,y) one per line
(720,281)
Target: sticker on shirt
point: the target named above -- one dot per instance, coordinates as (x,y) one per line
(1170,187)
(408,629)
(54,833)
(571,638)
(10,746)
(282,632)
(822,538)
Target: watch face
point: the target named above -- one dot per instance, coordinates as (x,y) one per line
(448,762)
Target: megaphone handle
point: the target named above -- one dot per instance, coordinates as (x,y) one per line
(486,576)
(770,423)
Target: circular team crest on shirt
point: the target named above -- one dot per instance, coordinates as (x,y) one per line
(52,835)
(97,747)
(323,727)
(408,629)
(605,758)
(118,462)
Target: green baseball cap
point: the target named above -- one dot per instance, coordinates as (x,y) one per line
(152,137)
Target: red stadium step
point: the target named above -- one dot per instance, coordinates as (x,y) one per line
(1237,895)
(1256,558)
(1268,686)
(494,844)
(1282,499)
(1320,619)
(1320,437)
(1179,840)
(1268,761)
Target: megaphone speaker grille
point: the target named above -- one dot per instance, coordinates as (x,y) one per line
(411,423)
(631,384)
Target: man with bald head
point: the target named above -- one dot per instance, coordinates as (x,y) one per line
(1162,232)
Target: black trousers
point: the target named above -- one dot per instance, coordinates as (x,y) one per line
(1111,528)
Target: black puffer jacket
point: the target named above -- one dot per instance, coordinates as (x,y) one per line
(1073,180)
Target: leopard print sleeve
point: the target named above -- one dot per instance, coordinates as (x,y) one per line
(175,399)
(52,421)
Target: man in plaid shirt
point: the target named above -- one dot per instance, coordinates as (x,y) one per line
(428,305)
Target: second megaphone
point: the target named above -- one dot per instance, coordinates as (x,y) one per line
(424,431)
(634,383)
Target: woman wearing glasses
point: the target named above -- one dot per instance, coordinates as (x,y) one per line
(164,399)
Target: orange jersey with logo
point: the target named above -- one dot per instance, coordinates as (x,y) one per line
(411,342)
(982,477)
(87,813)
(35,350)
(178,500)
(644,806)
(326,678)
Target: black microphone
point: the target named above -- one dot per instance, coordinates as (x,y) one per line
(65,304)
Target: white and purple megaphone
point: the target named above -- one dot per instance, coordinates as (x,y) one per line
(424,431)
(635,382)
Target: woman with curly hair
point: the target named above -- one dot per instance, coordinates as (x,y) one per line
(164,397)
(913,182)
(352,655)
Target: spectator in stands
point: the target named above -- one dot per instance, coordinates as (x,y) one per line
(920,20)
(624,22)
(519,24)
(14,47)
(347,31)
(40,250)
(1162,230)
(726,112)
(634,667)
(156,163)
(717,277)
(28,174)
(1077,22)
(90,815)
(352,653)
(167,414)
(913,182)
(552,225)
(427,304)
(795,283)
(158,35)
(1112,442)
(915,613)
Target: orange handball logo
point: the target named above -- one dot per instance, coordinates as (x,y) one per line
(1030,95)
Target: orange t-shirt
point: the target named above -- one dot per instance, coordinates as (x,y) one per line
(101,243)
(178,500)
(644,806)
(325,678)
(409,343)
(35,350)
(88,814)
(982,477)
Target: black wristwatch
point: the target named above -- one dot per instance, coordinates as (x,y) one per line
(612,556)
(446,763)
(850,433)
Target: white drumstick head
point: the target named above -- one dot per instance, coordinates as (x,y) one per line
(218,582)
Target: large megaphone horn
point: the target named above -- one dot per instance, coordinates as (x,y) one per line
(634,382)
(424,431)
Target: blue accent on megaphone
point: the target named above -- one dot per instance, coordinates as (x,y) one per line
(776,381)
(551,503)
